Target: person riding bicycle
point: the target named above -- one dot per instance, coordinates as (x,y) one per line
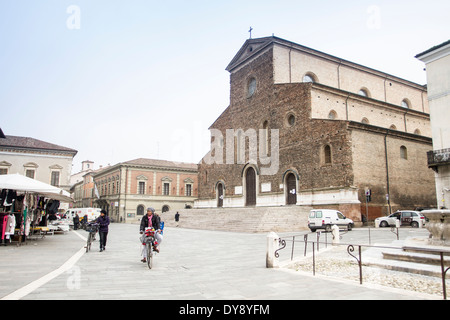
(152,220)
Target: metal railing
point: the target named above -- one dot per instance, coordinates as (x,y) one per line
(316,244)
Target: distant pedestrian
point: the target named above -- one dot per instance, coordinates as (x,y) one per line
(103,221)
(177,218)
(76,221)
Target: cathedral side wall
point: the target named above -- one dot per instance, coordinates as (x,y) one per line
(408,183)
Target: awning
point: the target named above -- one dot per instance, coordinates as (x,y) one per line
(19,182)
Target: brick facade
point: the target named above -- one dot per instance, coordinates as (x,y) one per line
(331,141)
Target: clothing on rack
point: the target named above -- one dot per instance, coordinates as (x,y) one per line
(10,225)
(10,198)
(3,222)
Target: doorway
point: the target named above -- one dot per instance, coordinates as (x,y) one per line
(291,184)
(250,187)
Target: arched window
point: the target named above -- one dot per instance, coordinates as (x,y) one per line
(332,115)
(327,154)
(364,92)
(251,87)
(310,77)
(365,120)
(405,103)
(403,153)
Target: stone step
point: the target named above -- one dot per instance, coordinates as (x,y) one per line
(411,260)
(255,219)
(419,250)
(414,257)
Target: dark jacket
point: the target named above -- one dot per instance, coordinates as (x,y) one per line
(103,222)
(156,222)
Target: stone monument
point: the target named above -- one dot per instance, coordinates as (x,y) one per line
(439,226)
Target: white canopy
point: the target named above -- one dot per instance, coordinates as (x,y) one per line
(19,182)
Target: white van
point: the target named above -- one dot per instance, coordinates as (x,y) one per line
(326,218)
(92,213)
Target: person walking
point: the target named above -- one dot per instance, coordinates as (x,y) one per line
(177,218)
(103,221)
(76,221)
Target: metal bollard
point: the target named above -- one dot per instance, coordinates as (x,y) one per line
(272,260)
(335,233)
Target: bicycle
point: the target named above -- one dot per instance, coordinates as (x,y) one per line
(92,228)
(149,241)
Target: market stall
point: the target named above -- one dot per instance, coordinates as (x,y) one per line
(27,206)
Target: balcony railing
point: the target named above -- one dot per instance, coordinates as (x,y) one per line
(438,157)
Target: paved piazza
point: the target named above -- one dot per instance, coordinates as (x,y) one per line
(192,265)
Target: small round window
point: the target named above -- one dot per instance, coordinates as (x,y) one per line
(251,87)
(291,120)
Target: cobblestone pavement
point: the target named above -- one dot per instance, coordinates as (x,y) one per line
(192,265)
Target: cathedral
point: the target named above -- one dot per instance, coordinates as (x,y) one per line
(305,128)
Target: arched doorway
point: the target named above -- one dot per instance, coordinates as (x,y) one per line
(291,187)
(250,187)
(219,195)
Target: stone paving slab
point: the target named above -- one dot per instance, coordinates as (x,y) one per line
(192,265)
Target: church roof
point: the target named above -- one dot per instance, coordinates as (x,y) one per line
(250,48)
(253,47)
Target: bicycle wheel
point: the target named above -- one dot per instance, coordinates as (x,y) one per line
(88,243)
(149,255)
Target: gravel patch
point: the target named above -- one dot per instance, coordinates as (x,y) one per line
(347,268)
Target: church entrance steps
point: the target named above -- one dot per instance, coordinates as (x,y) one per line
(248,219)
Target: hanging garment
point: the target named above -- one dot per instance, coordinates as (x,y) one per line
(10,226)
(3,222)
(10,198)
(27,226)
(3,196)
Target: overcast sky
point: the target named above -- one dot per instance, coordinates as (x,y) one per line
(120,80)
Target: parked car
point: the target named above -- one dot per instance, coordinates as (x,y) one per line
(326,218)
(405,217)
